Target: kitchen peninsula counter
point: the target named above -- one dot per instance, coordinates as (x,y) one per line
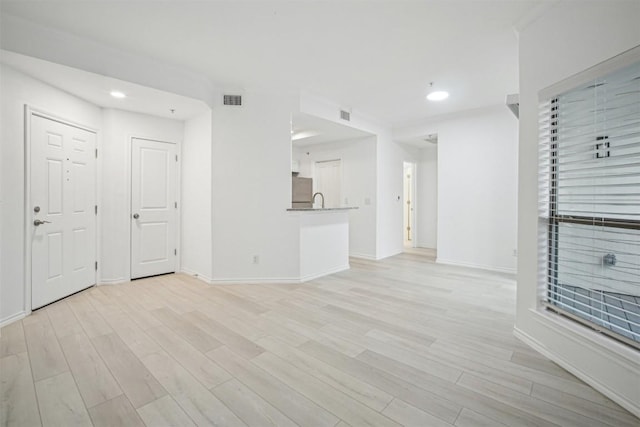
(323,240)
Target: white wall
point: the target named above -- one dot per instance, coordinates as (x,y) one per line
(252,190)
(552,50)
(358,186)
(196,255)
(477,193)
(18,90)
(118,129)
(390,158)
(427,198)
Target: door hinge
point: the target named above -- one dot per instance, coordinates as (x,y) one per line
(96,265)
(175,204)
(96,209)
(176,157)
(96,153)
(175,252)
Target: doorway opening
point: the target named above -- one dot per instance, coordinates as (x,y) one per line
(327,181)
(420,199)
(409,203)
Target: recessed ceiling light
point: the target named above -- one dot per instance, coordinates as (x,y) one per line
(437,95)
(118,94)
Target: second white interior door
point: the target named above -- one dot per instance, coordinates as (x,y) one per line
(153,208)
(328,181)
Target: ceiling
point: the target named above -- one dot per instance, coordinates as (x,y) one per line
(373,57)
(310,130)
(96,89)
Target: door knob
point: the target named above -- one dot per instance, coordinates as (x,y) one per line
(38,222)
(136,216)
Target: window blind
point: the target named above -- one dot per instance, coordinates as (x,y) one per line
(590,201)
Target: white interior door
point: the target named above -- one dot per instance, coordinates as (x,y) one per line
(63,213)
(153,208)
(328,181)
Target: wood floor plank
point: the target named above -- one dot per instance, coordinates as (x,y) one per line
(251,408)
(164,412)
(326,396)
(94,380)
(469,418)
(198,365)
(63,320)
(115,412)
(541,364)
(532,405)
(132,334)
(60,402)
(196,336)
(201,405)
(607,415)
(288,401)
(353,387)
(427,401)
(241,303)
(12,340)
(240,323)
(449,391)
(410,416)
(45,354)
(134,378)
(19,406)
(418,360)
(93,323)
(234,341)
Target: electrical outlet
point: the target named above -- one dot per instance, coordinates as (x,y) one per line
(346,201)
(367,201)
(515,252)
(256,259)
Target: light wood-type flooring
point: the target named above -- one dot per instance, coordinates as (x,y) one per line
(402,341)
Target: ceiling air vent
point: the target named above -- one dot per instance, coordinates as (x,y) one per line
(232,99)
(345,115)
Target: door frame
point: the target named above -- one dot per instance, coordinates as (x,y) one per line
(414,205)
(178,230)
(29,112)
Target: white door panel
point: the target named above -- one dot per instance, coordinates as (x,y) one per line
(62,194)
(153,207)
(328,181)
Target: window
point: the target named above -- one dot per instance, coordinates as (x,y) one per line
(590,197)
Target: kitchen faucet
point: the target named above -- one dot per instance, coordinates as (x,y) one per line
(313,199)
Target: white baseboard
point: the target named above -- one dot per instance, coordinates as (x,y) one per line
(254,281)
(12,318)
(378,258)
(324,273)
(611,394)
(479,266)
(276,280)
(197,275)
(113,281)
(363,256)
